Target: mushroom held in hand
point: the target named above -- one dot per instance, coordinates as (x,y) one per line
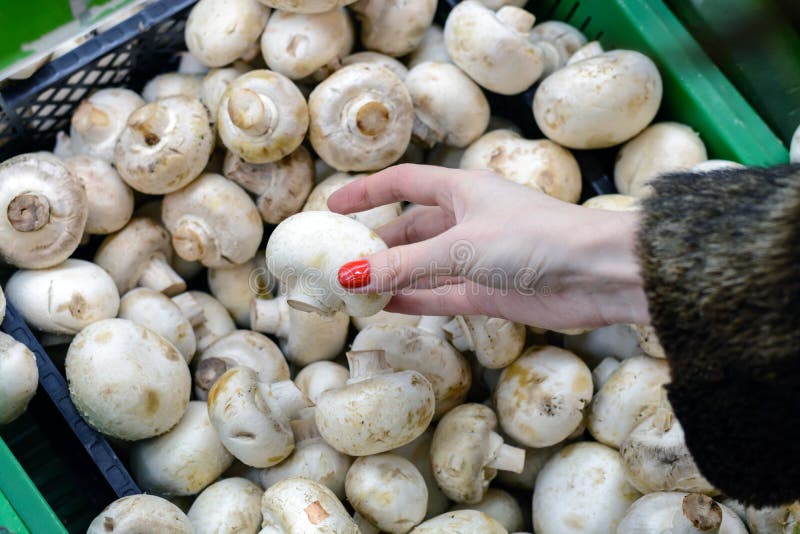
(165,145)
(262,116)
(229,505)
(500,505)
(393,28)
(598,102)
(44,211)
(207,315)
(466,521)
(218,32)
(99,120)
(184,460)
(361,118)
(680,513)
(109,199)
(127,381)
(309,273)
(354,419)
(372,218)
(63,299)
(141,513)
(496,342)
(302,506)
(466,453)
(19,377)
(160,314)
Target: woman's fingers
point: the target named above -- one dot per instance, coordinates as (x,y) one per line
(417,224)
(444,300)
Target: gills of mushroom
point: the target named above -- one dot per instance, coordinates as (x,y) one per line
(354,419)
(236,287)
(496,342)
(184,460)
(499,505)
(214,85)
(219,32)
(99,120)
(44,209)
(400,70)
(141,513)
(64,299)
(262,116)
(109,199)
(318,377)
(213,221)
(165,145)
(680,513)
(309,273)
(372,218)
(19,377)
(301,506)
(418,452)
(127,381)
(394,28)
(537,163)
(431,48)
(226,504)
(461,521)
(361,118)
(173,84)
(208,317)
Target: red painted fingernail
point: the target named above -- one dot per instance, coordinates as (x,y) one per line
(354,274)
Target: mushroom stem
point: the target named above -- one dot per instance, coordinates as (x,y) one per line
(517,18)
(506,457)
(249,113)
(366,363)
(268,316)
(91,122)
(699,514)
(284,397)
(299,300)
(159,276)
(366,115)
(424,135)
(192,240)
(28,212)
(153,122)
(458,334)
(208,372)
(304,429)
(190,308)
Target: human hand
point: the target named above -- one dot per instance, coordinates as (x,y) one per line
(479,244)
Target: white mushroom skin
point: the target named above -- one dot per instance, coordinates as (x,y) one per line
(496,342)
(372,218)
(173,84)
(229,505)
(661,148)
(127,381)
(776,520)
(466,521)
(431,48)
(141,513)
(215,84)
(302,506)
(680,513)
(385,318)
(581,489)
(715,165)
(218,32)
(566,38)
(99,120)
(794,150)
(63,299)
(418,452)
(305,6)
(208,317)
(603,371)
(236,287)
(109,199)
(393,28)
(501,506)
(589,50)
(184,460)
(388,491)
(621,341)
(19,378)
(2,305)
(613,202)
(599,102)
(318,377)
(160,314)
(400,70)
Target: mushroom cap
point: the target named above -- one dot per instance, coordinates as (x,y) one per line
(394,28)
(499,505)
(715,165)
(281,187)
(305,6)
(141,513)
(448,103)
(127,381)
(598,102)
(156,311)
(794,149)
(318,377)
(461,521)
(215,320)
(613,202)
(310,273)
(19,378)
(228,505)
(431,48)
(621,341)
(589,50)
(299,505)
(661,148)
(64,299)
(235,287)
(581,489)
(213,220)
(656,512)
(109,199)
(184,460)
(45,211)
(262,116)
(386,319)
(215,84)
(496,342)
(566,38)
(100,119)
(376,58)
(361,118)
(372,218)
(173,84)
(418,452)
(388,491)
(2,305)
(298,44)
(219,32)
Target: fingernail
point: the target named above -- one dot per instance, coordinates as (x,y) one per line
(354,274)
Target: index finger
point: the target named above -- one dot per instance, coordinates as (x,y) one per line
(422,184)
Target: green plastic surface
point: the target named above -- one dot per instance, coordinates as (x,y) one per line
(695,91)
(9,520)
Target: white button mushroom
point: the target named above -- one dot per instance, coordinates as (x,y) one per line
(566,38)
(231,505)
(239,348)
(236,287)
(466,521)
(184,460)
(581,489)
(2,305)
(378,410)
(165,145)
(281,187)
(173,84)
(63,299)
(536,163)
(621,341)
(372,218)
(393,28)
(305,336)
(262,116)
(388,491)
(19,377)
(499,505)
(100,119)
(309,273)
(419,453)
(680,513)
(109,199)
(302,506)
(410,348)
(207,315)
(160,314)
(541,397)
(794,150)
(431,48)
(603,371)
(305,6)
(774,520)
(215,84)
(589,50)
(630,394)
(466,453)
(361,118)
(386,319)
(661,148)
(496,342)
(44,211)
(127,381)
(400,70)
(139,514)
(599,102)
(318,377)
(715,165)
(219,32)
(139,255)
(535,459)
(613,202)
(252,418)
(213,221)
